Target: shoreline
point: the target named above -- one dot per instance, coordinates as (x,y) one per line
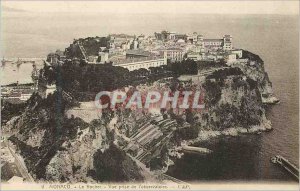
(207,135)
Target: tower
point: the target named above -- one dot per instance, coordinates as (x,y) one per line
(227,42)
(200,43)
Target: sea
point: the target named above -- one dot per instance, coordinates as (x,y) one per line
(273,37)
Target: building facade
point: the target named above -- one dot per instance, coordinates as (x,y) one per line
(238,52)
(173,54)
(192,37)
(227,42)
(194,56)
(146,63)
(103,57)
(214,44)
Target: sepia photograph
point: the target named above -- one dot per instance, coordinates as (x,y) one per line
(149,95)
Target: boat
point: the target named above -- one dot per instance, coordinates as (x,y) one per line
(287,165)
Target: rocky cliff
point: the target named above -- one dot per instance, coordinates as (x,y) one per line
(60,149)
(233,100)
(253,67)
(57,147)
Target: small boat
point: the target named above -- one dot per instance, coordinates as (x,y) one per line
(274,160)
(287,165)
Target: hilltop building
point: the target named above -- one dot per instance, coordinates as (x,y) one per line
(194,56)
(238,52)
(193,38)
(166,35)
(120,41)
(131,54)
(224,44)
(135,52)
(103,57)
(135,64)
(56,57)
(173,54)
(141,59)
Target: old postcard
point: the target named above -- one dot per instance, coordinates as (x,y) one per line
(149,95)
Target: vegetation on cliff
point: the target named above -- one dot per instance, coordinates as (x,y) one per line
(84,81)
(91,45)
(184,67)
(113,165)
(10,110)
(232,100)
(251,56)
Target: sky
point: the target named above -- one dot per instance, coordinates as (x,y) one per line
(206,7)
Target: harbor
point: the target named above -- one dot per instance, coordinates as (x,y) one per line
(19,60)
(19,78)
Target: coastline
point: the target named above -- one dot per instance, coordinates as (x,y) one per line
(206,135)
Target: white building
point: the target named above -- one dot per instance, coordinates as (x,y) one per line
(212,43)
(230,58)
(238,52)
(173,54)
(103,57)
(50,89)
(224,43)
(193,38)
(172,36)
(227,42)
(26,94)
(138,63)
(194,56)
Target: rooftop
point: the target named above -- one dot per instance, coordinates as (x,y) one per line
(170,48)
(132,60)
(139,52)
(213,40)
(27,91)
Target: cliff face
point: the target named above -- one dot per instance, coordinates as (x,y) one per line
(231,101)
(57,148)
(235,98)
(254,69)
(74,158)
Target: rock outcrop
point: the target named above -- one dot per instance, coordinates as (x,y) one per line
(60,149)
(57,146)
(253,67)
